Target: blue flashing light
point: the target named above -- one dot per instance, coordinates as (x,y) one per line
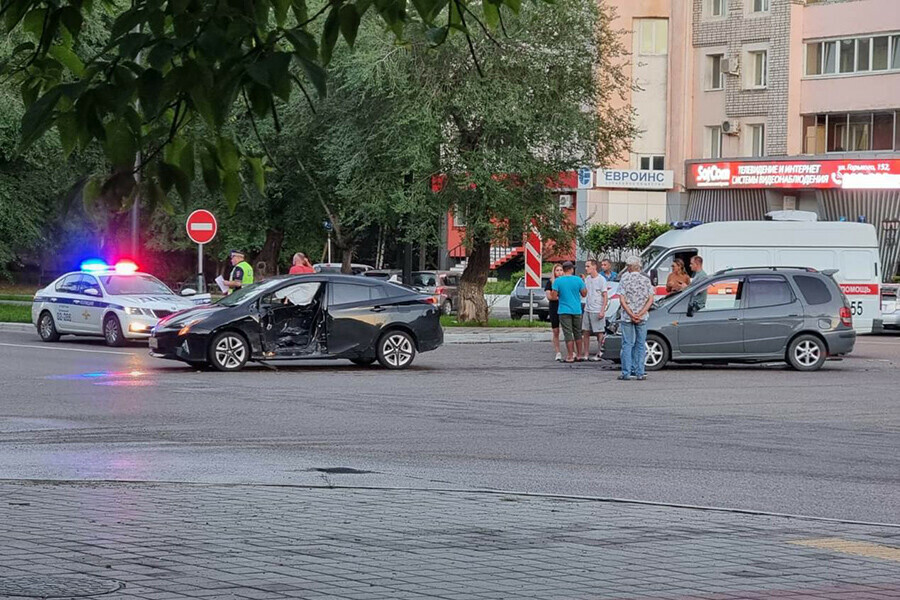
(93,265)
(686,224)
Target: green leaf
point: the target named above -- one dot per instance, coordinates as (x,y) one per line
(160,55)
(210,171)
(156,197)
(68,59)
(329,35)
(120,145)
(127,21)
(259,173)
(272,73)
(228,155)
(491,14)
(72,19)
(231,189)
(514,5)
(186,160)
(299,9)
(14,11)
(437,35)
(281,10)
(157,23)
(90,192)
(149,88)
(316,75)
(131,44)
(349,23)
(39,117)
(34,22)
(67,126)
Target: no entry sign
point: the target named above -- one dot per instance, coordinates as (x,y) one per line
(201,226)
(533,261)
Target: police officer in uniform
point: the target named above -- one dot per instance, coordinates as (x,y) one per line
(241,272)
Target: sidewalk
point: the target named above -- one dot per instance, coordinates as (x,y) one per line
(167,541)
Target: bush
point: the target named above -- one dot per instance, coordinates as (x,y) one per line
(614,241)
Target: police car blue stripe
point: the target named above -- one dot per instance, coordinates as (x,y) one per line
(77,302)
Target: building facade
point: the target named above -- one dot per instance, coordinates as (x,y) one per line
(761,105)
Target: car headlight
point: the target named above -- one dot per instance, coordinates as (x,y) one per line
(133,310)
(187,327)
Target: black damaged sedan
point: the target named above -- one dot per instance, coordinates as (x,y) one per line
(304,317)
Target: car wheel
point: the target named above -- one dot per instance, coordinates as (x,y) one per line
(446,307)
(47,328)
(657,353)
(112,331)
(807,353)
(516,316)
(396,350)
(362,362)
(229,351)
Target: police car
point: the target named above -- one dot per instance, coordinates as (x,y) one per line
(116,302)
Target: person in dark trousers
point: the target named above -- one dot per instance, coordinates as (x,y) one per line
(553,302)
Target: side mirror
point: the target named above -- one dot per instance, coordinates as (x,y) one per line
(92,292)
(188,292)
(654,277)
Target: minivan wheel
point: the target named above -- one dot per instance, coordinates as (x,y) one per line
(396,350)
(807,353)
(229,351)
(112,331)
(657,353)
(47,328)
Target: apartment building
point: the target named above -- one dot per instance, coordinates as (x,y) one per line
(749,106)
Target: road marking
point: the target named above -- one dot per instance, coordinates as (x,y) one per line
(67,349)
(856,548)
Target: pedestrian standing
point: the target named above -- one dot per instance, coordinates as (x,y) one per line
(698,274)
(607,271)
(301,265)
(241,272)
(636,296)
(678,279)
(571,290)
(553,302)
(594,320)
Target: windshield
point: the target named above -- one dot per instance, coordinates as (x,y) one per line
(424,280)
(649,255)
(245,292)
(124,285)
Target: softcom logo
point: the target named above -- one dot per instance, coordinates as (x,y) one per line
(712,175)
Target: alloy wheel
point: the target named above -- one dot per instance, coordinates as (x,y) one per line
(46,327)
(112,331)
(230,352)
(397,350)
(654,353)
(807,353)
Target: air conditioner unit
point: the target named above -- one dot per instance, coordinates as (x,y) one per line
(731,127)
(565,201)
(730,66)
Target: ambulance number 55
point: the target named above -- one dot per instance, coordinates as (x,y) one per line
(856,308)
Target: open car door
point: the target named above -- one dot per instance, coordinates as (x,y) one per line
(292,320)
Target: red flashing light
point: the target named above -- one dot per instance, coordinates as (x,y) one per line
(126,267)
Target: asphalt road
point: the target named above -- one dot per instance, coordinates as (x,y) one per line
(500,416)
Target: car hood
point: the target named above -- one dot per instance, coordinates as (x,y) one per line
(187,315)
(153,302)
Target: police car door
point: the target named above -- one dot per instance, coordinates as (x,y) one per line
(64,309)
(90,304)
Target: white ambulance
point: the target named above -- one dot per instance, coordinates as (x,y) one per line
(850,249)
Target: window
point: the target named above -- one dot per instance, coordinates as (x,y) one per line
(858,132)
(459,219)
(69,285)
(759,68)
(347,293)
(768,290)
(836,133)
(88,282)
(813,289)
(723,294)
(715,80)
(760,5)
(883,131)
(757,140)
(853,132)
(716,8)
(713,142)
(853,55)
(301,294)
(652,162)
(653,36)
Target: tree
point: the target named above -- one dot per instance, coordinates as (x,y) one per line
(613,241)
(171,74)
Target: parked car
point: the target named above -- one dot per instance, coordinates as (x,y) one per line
(384,274)
(749,315)
(443,285)
(304,317)
(890,305)
(520,301)
(355,268)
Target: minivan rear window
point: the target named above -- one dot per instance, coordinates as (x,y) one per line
(813,289)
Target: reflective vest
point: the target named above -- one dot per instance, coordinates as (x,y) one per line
(246,274)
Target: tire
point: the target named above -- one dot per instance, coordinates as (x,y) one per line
(112,331)
(228,351)
(47,328)
(516,316)
(362,362)
(396,350)
(657,353)
(447,308)
(807,353)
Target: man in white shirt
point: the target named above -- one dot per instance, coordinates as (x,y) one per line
(594,319)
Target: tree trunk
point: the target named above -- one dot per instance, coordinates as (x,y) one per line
(271,250)
(346,260)
(473,307)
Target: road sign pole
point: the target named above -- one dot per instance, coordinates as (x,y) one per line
(329,246)
(201,283)
(531,305)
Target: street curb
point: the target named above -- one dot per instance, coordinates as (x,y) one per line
(487,337)
(17,327)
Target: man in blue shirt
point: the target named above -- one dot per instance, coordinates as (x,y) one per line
(571,290)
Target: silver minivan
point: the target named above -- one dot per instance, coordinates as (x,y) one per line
(797,315)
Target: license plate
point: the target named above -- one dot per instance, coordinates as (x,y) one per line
(154,343)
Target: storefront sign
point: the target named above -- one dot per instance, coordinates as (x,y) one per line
(821,174)
(634,179)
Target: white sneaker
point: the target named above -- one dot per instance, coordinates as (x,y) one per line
(558,357)
(596,358)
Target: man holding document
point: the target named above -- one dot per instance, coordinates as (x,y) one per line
(241,274)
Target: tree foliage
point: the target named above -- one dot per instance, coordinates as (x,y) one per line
(613,241)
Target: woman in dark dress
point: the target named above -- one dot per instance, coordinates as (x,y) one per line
(553,300)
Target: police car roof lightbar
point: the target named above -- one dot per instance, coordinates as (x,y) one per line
(93,265)
(126,267)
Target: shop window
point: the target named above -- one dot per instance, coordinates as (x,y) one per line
(716,80)
(713,142)
(654,36)
(880,53)
(883,131)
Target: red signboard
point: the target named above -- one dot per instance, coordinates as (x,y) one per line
(786,174)
(201,226)
(533,261)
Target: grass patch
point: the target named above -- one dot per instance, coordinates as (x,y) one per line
(450,321)
(17,297)
(15,289)
(499,287)
(12,313)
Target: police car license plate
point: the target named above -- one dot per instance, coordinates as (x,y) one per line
(154,343)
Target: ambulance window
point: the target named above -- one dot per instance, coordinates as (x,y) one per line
(857,265)
(813,289)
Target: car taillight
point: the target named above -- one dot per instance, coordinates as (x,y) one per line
(439,291)
(430,300)
(846,316)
